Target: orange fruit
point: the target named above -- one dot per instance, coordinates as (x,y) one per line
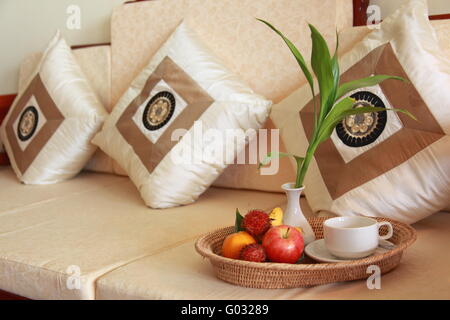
(235,242)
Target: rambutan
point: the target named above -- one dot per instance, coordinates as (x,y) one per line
(256,222)
(253,252)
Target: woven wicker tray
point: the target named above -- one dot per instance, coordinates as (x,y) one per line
(306,274)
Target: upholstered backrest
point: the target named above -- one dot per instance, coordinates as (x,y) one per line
(230,30)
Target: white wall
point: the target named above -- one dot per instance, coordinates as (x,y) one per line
(389,6)
(27,26)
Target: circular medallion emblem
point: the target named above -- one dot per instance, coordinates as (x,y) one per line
(27,123)
(363,129)
(159,110)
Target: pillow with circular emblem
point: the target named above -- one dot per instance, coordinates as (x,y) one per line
(183,101)
(48,129)
(382,164)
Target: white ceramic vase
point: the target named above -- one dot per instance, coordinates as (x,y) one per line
(293,215)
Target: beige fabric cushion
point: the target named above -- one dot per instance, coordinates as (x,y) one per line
(403,173)
(95,224)
(180,273)
(48,129)
(246,46)
(174,130)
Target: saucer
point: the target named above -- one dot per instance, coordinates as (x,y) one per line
(318,251)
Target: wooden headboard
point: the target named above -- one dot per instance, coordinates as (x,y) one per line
(360,13)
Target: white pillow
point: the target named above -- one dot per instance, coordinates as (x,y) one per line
(385,164)
(48,129)
(181,84)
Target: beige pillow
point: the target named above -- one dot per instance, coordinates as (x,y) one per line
(48,129)
(170,130)
(384,164)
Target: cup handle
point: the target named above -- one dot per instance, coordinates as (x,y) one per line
(390,230)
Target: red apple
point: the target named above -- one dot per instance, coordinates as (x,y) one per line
(283,244)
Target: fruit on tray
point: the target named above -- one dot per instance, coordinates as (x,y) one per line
(256,222)
(283,244)
(261,237)
(253,252)
(234,243)
(276,217)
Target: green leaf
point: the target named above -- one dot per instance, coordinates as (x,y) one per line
(336,77)
(341,106)
(276,154)
(298,56)
(333,118)
(322,66)
(337,45)
(332,121)
(365,82)
(238,222)
(376,109)
(336,70)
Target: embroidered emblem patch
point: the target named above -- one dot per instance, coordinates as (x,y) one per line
(159,110)
(363,129)
(28,123)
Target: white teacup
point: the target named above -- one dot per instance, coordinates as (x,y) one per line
(353,237)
